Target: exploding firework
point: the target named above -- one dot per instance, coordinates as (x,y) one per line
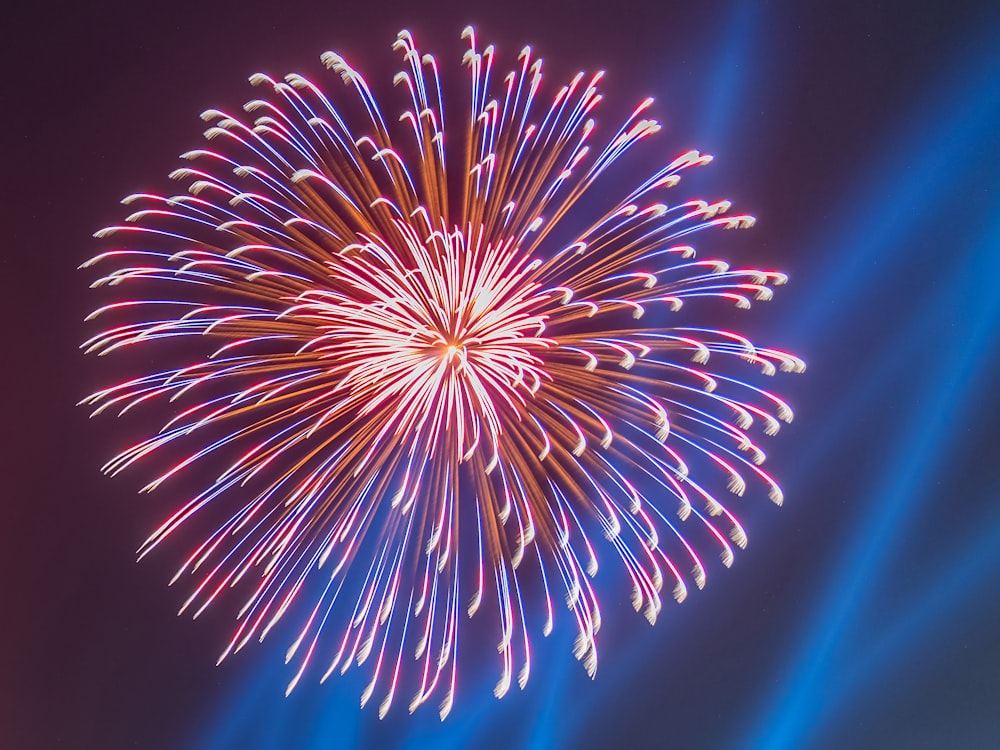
(386,333)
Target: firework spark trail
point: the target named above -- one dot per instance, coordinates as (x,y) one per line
(387,356)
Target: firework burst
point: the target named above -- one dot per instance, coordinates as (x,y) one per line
(390,341)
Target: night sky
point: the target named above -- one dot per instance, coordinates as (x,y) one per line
(865,613)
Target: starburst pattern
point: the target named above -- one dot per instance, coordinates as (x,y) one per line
(383,342)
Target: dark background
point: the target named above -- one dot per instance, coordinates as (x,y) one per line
(864,613)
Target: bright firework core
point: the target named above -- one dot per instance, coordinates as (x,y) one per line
(450,339)
(382,341)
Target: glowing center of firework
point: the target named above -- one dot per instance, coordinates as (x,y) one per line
(441,336)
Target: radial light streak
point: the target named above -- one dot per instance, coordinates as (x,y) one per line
(382,343)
